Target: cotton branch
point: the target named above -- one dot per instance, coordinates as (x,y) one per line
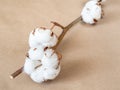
(65,29)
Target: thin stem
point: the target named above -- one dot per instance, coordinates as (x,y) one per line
(57,24)
(52,27)
(19,71)
(65,29)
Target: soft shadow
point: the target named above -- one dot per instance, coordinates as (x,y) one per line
(74,69)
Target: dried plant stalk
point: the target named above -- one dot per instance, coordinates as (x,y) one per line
(16,73)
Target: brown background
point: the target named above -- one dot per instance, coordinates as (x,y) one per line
(91,54)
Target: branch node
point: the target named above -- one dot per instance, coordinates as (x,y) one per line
(57,24)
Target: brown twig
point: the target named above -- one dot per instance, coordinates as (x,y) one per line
(52,27)
(65,29)
(16,73)
(57,24)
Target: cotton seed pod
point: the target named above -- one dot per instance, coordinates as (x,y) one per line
(91,12)
(36,53)
(42,36)
(30,65)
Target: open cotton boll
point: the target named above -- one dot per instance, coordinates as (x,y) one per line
(91,12)
(42,74)
(42,36)
(50,59)
(50,67)
(30,65)
(36,53)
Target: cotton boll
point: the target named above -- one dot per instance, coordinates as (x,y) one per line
(36,53)
(92,12)
(30,65)
(50,59)
(50,67)
(43,37)
(42,74)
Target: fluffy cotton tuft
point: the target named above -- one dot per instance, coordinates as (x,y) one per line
(91,12)
(30,65)
(43,74)
(50,59)
(51,73)
(43,37)
(36,53)
(37,75)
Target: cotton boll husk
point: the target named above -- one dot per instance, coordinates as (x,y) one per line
(30,65)
(36,53)
(42,37)
(91,12)
(50,59)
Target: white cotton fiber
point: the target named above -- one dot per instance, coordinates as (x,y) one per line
(50,67)
(91,12)
(50,59)
(33,43)
(43,74)
(43,37)
(37,75)
(30,65)
(36,53)
(51,73)
(52,41)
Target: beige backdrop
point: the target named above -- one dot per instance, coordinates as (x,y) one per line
(91,54)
